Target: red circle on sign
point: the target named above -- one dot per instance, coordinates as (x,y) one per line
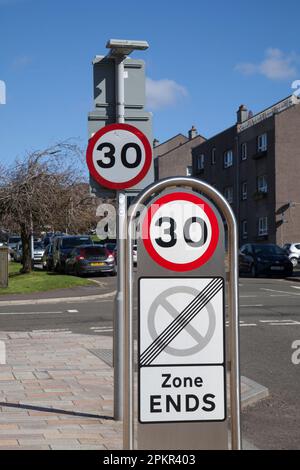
(112,184)
(180,267)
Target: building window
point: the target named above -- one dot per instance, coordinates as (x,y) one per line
(244,229)
(262,142)
(189,171)
(200,162)
(228,193)
(213,156)
(262,226)
(228,158)
(244,151)
(244,192)
(262,184)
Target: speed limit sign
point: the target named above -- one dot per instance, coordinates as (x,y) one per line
(119,156)
(180,231)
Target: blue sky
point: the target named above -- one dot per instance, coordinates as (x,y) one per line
(205,59)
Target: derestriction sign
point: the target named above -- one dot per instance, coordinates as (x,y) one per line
(181,350)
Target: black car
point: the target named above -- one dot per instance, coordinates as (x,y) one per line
(62,247)
(90,259)
(268,259)
(47,259)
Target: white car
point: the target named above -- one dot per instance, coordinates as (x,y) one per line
(38,252)
(293,251)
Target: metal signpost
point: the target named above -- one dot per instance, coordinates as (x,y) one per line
(119,158)
(177,398)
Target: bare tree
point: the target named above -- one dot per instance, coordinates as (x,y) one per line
(40,190)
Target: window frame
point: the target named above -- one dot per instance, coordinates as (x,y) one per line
(263,226)
(227,188)
(228,163)
(244,194)
(262,142)
(200,162)
(264,187)
(244,232)
(244,155)
(213,156)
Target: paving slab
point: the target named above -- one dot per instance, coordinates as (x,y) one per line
(61,396)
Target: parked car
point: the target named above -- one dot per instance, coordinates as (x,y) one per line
(63,245)
(12,242)
(269,259)
(88,259)
(47,240)
(110,246)
(47,260)
(38,252)
(18,253)
(293,252)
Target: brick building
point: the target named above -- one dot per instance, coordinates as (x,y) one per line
(256,165)
(174,157)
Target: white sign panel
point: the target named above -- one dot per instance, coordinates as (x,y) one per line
(181,323)
(189,393)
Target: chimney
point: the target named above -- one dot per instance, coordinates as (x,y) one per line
(242,114)
(155,143)
(192,133)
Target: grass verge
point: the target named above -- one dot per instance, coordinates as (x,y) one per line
(39,281)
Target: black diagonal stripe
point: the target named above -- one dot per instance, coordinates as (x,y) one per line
(180,322)
(173,326)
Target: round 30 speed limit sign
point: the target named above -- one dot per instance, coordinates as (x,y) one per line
(180,231)
(119,156)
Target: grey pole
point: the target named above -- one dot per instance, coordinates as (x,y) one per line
(233,307)
(121,220)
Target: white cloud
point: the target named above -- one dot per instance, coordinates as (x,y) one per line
(275,66)
(163,93)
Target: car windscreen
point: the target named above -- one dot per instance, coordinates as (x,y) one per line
(74,241)
(268,250)
(93,252)
(38,246)
(14,239)
(110,246)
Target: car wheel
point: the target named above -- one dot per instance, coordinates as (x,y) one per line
(294,261)
(253,271)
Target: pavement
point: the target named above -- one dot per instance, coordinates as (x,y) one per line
(56,392)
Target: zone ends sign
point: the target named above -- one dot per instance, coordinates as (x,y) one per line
(119,156)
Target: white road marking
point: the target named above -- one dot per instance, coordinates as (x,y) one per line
(279,291)
(296,287)
(26,313)
(255,305)
(280,322)
(108,330)
(72,311)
